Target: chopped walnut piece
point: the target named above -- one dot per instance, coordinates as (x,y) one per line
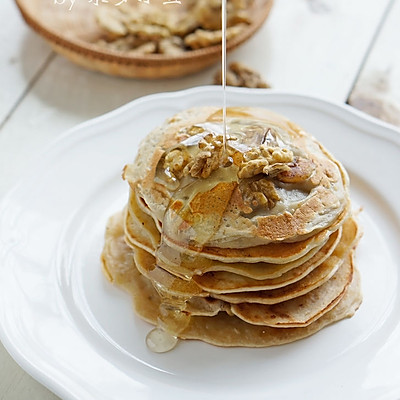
(194,130)
(242,4)
(175,162)
(198,27)
(252,168)
(276,154)
(238,17)
(143,14)
(171,46)
(240,75)
(231,79)
(147,48)
(208,13)
(202,38)
(265,159)
(126,43)
(182,25)
(208,159)
(259,193)
(203,165)
(147,31)
(110,20)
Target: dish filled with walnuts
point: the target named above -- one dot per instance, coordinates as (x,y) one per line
(144,38)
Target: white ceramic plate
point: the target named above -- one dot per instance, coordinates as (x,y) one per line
(78,335)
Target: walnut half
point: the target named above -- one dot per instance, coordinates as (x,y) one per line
(175,162)
(201,38)
(267,160)
(240,75)
(208,159)
(259,193)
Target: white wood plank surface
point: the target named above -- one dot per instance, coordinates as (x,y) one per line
(315,46)
(377,90)
(22,56)
(303,47)
(63,97)
(15,384)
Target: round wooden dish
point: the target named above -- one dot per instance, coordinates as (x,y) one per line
(73,33)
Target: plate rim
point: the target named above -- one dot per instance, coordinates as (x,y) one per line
(348,114)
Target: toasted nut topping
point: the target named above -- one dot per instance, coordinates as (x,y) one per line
(208,159)
(259,193)
(175,162)
(267,160)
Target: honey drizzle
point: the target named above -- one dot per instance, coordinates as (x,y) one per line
(172,319)
(223,73)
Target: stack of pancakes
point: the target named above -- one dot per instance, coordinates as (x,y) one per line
(248,242)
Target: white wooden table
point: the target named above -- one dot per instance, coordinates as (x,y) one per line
(341,50)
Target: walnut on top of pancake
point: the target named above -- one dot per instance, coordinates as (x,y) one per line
(256,168)
(209,157)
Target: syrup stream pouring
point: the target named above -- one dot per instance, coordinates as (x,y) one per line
(223,73)
(171,318)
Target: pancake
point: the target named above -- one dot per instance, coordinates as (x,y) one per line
(303,310)
(307,179)
(273,296)
(227,282)
(205,307)
(146,264)
(226,331)
(117,257)
(246,240)
(186,266)
(335,287)
(177,287)
(121,268)
(141,232)
(278,253)
(230,331)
